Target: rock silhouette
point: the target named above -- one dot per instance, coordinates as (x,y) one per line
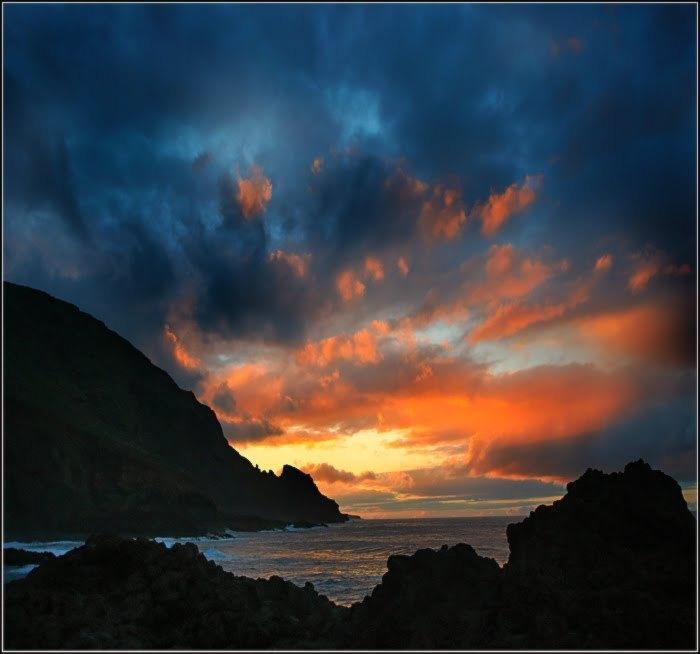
(609,566)
(97,439)
(15,556)
(120,593)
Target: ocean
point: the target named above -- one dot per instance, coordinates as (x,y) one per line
(343,562)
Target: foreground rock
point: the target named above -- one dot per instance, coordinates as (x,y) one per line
(115,593)
(610,566)
(432,600)
(14,556)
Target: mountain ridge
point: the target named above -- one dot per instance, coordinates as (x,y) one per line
(98,437)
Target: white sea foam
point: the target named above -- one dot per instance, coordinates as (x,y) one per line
(57,547)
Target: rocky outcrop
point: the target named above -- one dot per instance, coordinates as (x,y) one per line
(14,556)
(114,593)
(98,438)
(609,566)
(442,599)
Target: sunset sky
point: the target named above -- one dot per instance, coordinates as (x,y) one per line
(441,257)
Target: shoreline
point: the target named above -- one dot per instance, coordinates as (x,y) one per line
(568,563)
(247,526)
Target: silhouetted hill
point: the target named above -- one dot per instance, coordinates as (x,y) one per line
(610,566)
(98,438)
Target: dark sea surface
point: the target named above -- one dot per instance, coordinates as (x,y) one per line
(343,562)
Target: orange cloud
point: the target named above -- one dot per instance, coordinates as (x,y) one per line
(510,319)
(325,472)
(500,260)
(296,262)
(604,262)
(253,193)
(326,391)
(259,391)
(642,275)
(661,333)
(510,274)
(381,327)
(408,189)
(402,265)
(501,206)
(374,268)
(651,264)
(434,310)
(360,348)
(545,403)
(182,356)
(443,215)
(349,286)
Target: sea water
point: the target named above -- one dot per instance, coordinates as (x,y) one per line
(342,561)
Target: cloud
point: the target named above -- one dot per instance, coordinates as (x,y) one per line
(642,275)
(202,160)
(359,348)
(119,197)
(500,260)
(447,490)
(510,274)
(349,286)
(325,472)
(253,193)
(509,319)
(296,262)
(658,333)
(662,435)
(249,430)
(650,264)
(374,269)
(443,214)
(604,262)
(182,356)
(500,207)
(223,399)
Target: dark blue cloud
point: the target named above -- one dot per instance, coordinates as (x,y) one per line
(107,108)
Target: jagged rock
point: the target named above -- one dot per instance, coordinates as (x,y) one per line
(610,566)
(434,599)
(121,593)
(14,556)
(98,438)
(614,560)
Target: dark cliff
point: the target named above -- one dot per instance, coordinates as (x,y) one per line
(98,438)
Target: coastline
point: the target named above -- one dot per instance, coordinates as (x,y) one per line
(568,564)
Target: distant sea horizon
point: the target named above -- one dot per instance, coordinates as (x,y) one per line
(343,561)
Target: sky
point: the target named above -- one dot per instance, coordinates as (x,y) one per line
(441,257)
